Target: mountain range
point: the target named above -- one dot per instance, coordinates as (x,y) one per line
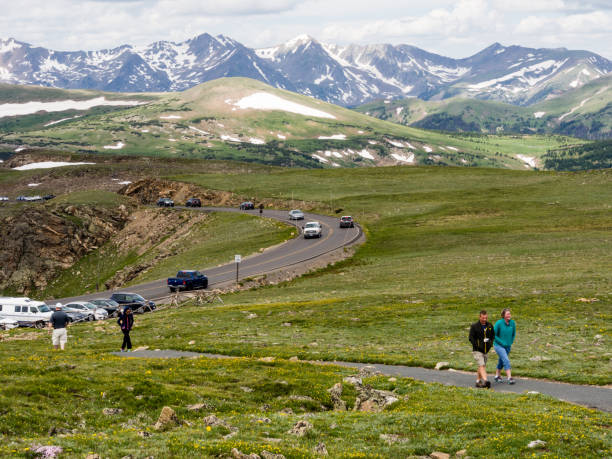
(344,75)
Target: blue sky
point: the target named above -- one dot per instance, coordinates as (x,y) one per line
(457,28)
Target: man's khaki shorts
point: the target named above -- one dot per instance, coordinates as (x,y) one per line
(60,336)
(481,359)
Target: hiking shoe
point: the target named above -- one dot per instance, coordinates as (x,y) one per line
(487,384)
(498,379)
(511,381)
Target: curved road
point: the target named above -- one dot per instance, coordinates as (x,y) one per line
(290,253)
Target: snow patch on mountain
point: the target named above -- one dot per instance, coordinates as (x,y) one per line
(539,114)
(530,161)
(60,106)
(333,137)
(266,101)
(47,165)
(62,120)
(403,158)
(540,70)
(117,146)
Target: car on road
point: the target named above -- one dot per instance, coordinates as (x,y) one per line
(134,301)
(193,202)
(109,305)
(247,205)
(165,202)
(48,197)
(313,229)
(29,198)
(346,221)
(187,279)
(296,214)
(4,198)
(92,311)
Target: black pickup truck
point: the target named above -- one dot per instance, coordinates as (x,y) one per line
(187,280)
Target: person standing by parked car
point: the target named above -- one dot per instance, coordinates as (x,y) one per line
(59,323)
(481,336)
(505,332)
(261,208)
(126,322)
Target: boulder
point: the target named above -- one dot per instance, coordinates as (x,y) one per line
(321,449)
(373,400)
(268,455)
(112,411)
(536,444)
(214,421)
(167,418)
(335,393)
(461,453)
(300,428)
(237,454)
(441,365)
(439,455)
(199,407)
(367,371)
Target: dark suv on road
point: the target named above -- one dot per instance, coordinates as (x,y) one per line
(247,205)
(134,301)
(347,222)
(165,202)
(193,202)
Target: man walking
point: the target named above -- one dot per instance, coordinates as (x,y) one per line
(126,322)
(481,336)
(59,322)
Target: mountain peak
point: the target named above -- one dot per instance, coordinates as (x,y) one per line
(298,41)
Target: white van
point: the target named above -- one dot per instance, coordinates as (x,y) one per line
(25,311)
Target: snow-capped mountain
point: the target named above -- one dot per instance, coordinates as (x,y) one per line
(345,75)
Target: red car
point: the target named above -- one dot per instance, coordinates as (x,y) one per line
(347,221)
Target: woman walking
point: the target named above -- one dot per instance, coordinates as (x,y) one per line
(505,332)
(126,322)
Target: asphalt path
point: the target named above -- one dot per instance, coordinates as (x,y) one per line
(294,252)
(590,396)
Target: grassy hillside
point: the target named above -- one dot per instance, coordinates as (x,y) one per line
(442,244)
(585,112)
(204,122)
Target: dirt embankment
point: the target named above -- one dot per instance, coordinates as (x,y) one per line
(149,190)
(39,242)
(155,233)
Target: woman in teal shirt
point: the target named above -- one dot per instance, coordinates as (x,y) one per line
(505,332)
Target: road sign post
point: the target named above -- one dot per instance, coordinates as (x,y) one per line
(237,260)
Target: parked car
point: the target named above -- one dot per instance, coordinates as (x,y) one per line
(134,300)
(347,221)
(74,315)
(25,311)
(109,305)
(165,202)
(313,229)
(193,202)
(247,205)
(187,280)
(296,214)
(7,324)
(92,311)
(48,196)
(4,198)
(29,198)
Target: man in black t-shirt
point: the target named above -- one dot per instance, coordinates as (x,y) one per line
(59,322)
(481,336)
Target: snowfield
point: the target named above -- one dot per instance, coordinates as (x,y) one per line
(265,101)
(198,130)
(529,161)
(170,117)
(333,137)
(61,121)
(365,154)
(539,114)
(46,165)
(404,158)
(118,146)
(32,107)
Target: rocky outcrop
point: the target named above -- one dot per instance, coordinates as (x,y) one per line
(149,190)
(38,242)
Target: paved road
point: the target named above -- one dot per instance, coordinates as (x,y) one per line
(286,255)
(590,396)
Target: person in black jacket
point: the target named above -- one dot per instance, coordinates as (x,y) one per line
(126,322)
(482,336)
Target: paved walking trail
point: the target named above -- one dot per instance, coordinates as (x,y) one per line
(590,396)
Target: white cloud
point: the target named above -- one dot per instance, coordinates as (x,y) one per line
(588,23)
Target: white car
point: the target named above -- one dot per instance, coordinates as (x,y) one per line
(4,198)
(7,324)
(312,229)
(92,311)
(296,214)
